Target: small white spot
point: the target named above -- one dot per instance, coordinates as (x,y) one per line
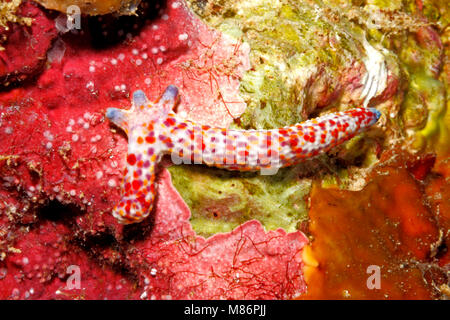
(123,87)
(8,130)
(90,85)
(147,81)
(176,5)
(138,62)
(121,57)
(183,114)
(31,290)
(162,48)
(153,272)
(69,129)
(75,138)
(143,295)
(56,189)
(155,27)
(25,260)
(49,135)
(49,145)
(183,37)
(112,183)
(71,122)
(144,56)
(113,62)
(73,193)
(99,174)
(91,69)
(154,50)
(165,17)
(86,125)
(117,88)
(135,52)
(159,60)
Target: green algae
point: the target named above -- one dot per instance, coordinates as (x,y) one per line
(423,110)
(425,105)
(221,200)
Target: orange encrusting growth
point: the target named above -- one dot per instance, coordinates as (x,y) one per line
(387,224)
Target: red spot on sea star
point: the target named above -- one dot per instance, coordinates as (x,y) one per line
(131,159)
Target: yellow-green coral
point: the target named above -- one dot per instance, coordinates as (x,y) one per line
(8,14)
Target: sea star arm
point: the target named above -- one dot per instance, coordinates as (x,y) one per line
(154,130)
(263,150)
(144,125)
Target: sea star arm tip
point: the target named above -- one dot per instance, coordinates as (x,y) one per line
(118,116)
(139,99)
(169,99)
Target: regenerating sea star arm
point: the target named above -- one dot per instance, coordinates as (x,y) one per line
(155,130)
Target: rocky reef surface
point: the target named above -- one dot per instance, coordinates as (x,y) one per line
(213,233)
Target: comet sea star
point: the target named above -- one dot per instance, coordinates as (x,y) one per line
(154,130)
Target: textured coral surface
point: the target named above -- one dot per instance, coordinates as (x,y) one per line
(381,199)
(60,158)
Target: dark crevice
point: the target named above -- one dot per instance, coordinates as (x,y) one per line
(441,250)
(56,211)
(109,30)
(95,245)
(99,241)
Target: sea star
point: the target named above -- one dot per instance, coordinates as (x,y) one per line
(154,130)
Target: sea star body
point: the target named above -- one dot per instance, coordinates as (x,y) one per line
(154,130)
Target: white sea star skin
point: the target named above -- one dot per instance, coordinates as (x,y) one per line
(154,130)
